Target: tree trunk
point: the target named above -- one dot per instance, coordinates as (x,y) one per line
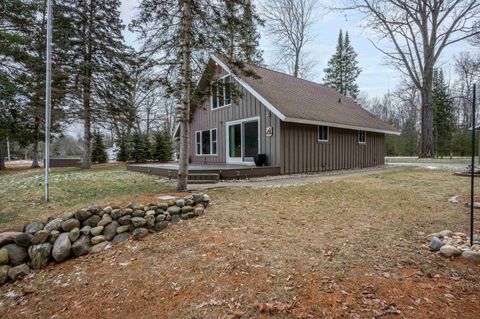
(426,148)
(35,143)
(185,108)
(2,159)
(86,162)
(296,66)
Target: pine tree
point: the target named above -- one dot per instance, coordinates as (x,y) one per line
(123,154)
(99,154)
(138,152)
(342,71)
(163,146)
(443,116)
(249,37)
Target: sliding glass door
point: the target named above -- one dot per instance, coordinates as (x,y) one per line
(242,140)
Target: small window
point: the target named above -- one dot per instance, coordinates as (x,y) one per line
(206,142)
(362,137)
(322,133)
(221,92)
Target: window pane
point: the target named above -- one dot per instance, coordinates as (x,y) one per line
(227,90)
(361,136)
(235,140)
(214,96)
(251,138)
(198,143)
(206,142)
(214,141)
(221,101)
(323,133)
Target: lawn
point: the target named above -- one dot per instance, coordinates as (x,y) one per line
(348,248)
(445,160)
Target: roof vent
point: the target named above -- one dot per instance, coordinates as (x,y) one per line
(339,100)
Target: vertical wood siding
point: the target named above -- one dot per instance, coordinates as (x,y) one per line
(301,152)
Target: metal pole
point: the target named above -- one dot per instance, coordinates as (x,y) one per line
(472,177)
(8,149)
(48,91)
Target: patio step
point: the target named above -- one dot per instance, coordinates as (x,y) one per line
(203,178)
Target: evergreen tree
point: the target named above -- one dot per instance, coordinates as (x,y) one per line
(138,152)
(443,116)
(147,147)
(99,154)
(343,70)
(163,146)
(123,154)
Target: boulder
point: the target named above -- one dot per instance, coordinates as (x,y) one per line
(116,213)
(92,221)
(205,198)
(4,256)
(450,251)
(187,209)
(138,213)
(33,228)
(85,230)
(61,248)
(40,237)
(150,220)
(4,274)
(97,239)
(138,221)
(445,233)
(81,246)
(55,224)
(74,234)
(24,239)
(163,206)
(161,225)
(175,219)
(98,247)
(159,218)
(82,214)
(68,215)
(138,207)
(120,238)
(473,256)
(18,272)
(199,211)
(17,254)
(180,203)
(435,244)
(122,229)
(174,210)
(52,237)
(95,209)
(110,230)
(106,219)
(125,220)
(39,255)
(107,210)
(70,224)
(8,237)
(139,233)
(150,213)
(95,231)
(197,198)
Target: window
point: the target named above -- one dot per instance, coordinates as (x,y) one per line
(221,92)
(206,142)
(362,137)
(322,133)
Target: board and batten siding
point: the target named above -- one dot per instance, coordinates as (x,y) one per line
(245,106)
(301,152)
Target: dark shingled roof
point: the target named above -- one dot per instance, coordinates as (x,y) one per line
(302,101)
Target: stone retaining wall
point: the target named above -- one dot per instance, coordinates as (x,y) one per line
(88,230)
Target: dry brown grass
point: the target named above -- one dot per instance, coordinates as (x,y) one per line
(346,248)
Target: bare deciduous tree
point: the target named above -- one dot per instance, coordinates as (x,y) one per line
(418,32)
(289,22)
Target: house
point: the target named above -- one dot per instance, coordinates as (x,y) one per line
(300,125)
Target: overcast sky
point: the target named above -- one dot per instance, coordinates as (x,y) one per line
(376,78)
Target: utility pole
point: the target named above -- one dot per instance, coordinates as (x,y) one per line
(48,97)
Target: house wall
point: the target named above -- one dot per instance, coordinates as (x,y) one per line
(301,152)
(246,106)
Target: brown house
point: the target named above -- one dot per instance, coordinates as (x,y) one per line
(300,126)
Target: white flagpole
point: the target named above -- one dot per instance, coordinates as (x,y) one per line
(48,97)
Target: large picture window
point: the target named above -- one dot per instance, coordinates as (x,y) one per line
(206,142)
(322,133)
(221,92)
(362,137)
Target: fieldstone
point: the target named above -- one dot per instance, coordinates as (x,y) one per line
(110,230)
(17,254)
(125,220)
(197,198)
(97,239)
(4,256)
(435,244)
(18,272)
(184,216)
(39,255)
(95,209)
(138,221)
(33,228)
(161,225)
(4,274)
(168,217)
(40,237)
(61,248)
(459,234)
(450,251)
(116,213)
(445,233)
(82,214)
(74,234)
(120,238)
(24,239)
(175,219)
(107,210)
(188,197)
(68,215)
(85,230)
(180,203)
(70,224)
(52,237)
(95,231)
(150,213)
(149,220)
(122,229)
(189,202)
(138,207)
(138,213)
(159,212)
(187,209)
(81,246)
(139,233)
(98,247)
(163,206)
(92,221)
(126,211)
(174,210)
(159,218)
(199,211)
(473,256)
(8,237)
(55,224)
(106,219)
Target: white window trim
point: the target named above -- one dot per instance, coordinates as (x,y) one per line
(358,137)
(211,95)
(211,142)
(328,134)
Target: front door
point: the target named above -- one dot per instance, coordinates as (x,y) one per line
(242,140)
